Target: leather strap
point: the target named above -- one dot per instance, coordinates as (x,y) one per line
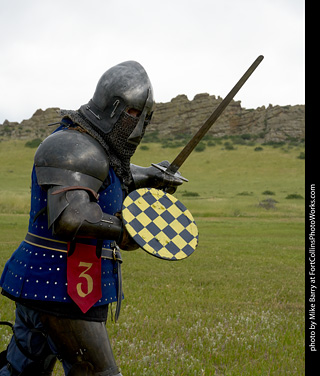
(61,246)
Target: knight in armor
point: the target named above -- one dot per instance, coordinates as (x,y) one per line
(66,272)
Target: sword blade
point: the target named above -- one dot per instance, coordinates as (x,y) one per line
(186,151)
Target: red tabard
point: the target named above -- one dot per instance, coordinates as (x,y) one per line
(84,276)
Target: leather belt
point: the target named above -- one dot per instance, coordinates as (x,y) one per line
(61,246)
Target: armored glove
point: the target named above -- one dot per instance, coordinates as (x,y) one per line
(151,177)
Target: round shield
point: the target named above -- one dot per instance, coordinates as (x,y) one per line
(160,224)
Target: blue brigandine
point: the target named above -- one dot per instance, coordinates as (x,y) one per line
(40,273)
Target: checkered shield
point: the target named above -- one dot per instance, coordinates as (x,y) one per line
(160,224)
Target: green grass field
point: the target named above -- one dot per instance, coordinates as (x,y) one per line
(234,307)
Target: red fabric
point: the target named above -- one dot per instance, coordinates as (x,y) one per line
(84,276)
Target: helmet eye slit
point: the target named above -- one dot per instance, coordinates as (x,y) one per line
(133,112)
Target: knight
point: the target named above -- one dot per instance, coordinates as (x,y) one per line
(67,271)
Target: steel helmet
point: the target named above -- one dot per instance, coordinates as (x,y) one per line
(120,88)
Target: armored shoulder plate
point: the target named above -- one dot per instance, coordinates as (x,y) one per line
(71,158)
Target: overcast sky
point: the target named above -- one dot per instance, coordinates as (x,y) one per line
(54,51)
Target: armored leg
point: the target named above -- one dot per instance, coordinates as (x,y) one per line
(84,346)
(28,352)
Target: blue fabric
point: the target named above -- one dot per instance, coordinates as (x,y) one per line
(37,273)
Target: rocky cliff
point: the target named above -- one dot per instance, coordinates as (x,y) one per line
(184,116)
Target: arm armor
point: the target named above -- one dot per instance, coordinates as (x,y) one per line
(72,166)
(78,215)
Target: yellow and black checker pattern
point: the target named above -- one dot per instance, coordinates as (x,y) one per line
(160,224)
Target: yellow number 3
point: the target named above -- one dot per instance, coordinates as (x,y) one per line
(87,277)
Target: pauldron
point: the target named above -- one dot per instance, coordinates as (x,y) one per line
(72,167)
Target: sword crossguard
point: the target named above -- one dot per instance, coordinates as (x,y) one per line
(168,172)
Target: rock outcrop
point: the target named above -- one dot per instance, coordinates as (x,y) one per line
(274,123)
(184,116)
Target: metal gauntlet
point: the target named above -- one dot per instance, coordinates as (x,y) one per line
(151,177)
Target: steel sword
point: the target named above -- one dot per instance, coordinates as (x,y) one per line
(186,151)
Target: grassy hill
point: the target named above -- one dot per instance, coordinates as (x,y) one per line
(234,307)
